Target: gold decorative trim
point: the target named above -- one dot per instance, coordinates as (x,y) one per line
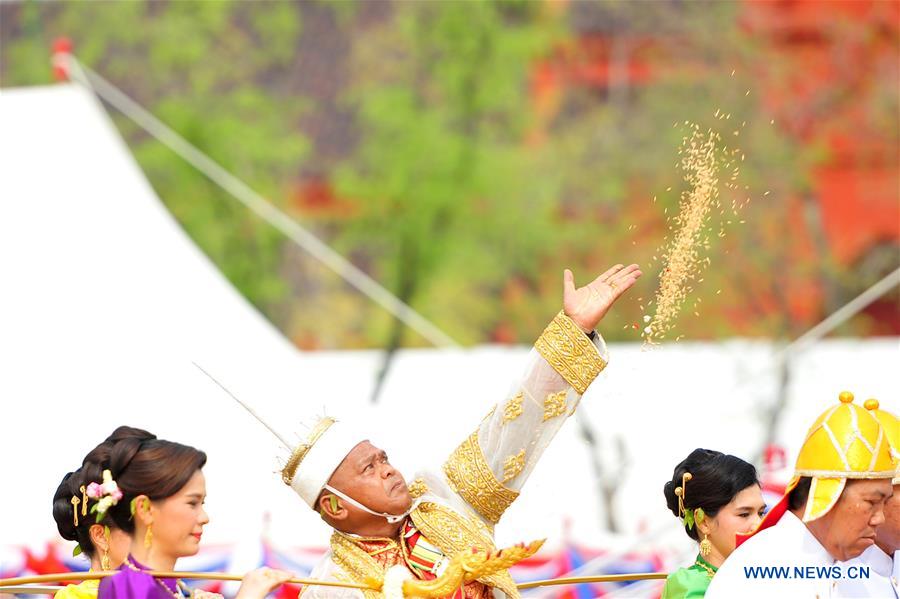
(359,566)
(417,488)
(469,474)
(453,533)
(287,473)
(709,571)
(555,405)
(845,474)
(513,465)
(513,408)
(570,352)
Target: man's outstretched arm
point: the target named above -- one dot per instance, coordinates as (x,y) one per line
(489,468)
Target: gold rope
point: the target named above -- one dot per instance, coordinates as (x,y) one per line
(588,579)
(67,576)
(5,582)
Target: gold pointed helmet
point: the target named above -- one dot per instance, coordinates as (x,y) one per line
(846,441)
(891,426)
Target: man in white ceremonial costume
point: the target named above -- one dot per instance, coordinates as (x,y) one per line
(829,513)
(882,579)
(386,531)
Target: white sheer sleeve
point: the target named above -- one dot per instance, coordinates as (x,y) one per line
(489,468)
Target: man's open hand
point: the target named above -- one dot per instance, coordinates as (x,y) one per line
(588,305)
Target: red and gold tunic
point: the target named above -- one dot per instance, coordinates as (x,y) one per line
(412,550)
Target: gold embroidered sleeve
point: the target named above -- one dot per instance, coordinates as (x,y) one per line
(570,352)
(470,475)
(513,408)
(555,405)
(513,465)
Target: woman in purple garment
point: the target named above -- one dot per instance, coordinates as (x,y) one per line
(154,490)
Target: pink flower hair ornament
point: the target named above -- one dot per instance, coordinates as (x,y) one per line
(107,495)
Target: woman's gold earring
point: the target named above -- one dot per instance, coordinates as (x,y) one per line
(148,538)
(104,560)
(705,546)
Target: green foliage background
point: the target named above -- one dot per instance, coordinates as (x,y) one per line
(454,189)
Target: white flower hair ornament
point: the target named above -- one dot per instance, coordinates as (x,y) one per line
(107,495)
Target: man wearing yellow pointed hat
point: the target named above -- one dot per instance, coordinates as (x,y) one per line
(829,514)
(883,558)
(386,531)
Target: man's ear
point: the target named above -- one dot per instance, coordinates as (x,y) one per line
(330,505)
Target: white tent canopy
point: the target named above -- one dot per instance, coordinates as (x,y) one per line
(106,302)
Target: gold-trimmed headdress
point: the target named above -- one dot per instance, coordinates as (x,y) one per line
(290,468)
(891,426)
(313,461)
(846,441)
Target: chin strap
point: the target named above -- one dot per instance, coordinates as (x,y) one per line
(391,518)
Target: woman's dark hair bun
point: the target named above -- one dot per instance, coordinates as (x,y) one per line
(63,510)
(716,478)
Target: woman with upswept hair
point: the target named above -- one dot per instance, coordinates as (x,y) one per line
(715,496)
(103,543)
(152,491)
